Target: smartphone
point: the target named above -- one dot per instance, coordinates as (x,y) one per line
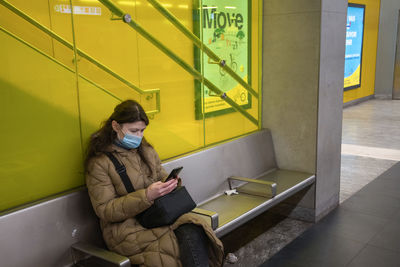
(174,173)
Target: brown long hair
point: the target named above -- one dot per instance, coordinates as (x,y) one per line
(127,111)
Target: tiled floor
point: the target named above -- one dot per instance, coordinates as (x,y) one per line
(374,123)
(357,171)
(371,145)
(363,231)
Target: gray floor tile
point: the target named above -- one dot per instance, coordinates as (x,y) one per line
(373,123)
(289,257)
(388,238)
(392,173)
(372,256)
(383,187)
(356,172)
(396,217)
(377,205)
(353,225)
(341,238)
(281,262)
(316,249)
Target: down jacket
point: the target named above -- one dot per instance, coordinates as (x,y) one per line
(117,209)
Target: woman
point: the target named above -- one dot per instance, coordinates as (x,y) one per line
(188,242)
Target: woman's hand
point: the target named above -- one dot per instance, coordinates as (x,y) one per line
(158,189)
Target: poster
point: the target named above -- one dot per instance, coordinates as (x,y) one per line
(354,46)
(225,29)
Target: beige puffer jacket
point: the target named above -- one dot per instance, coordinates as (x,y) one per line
(117,210)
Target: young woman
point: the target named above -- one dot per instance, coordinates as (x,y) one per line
(187,242)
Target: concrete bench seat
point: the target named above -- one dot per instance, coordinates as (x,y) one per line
(253,199)
(206,175)
(227,212)
(246,163)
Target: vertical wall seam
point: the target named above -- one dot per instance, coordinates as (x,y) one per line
(260,61)
(202,92)
(138,56)
(317,113)
(77,80)
(51,28)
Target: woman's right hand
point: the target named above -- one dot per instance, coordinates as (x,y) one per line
(159,189)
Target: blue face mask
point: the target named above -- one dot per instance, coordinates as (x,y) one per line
(131,141)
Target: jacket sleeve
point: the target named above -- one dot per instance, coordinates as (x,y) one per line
(106,203)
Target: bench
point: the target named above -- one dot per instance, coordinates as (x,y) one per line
(64,230)
(247,164)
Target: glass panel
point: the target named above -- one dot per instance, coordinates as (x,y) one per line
(176,131)
(227,30)
(38,10)
(41,152)
(39,92)
(49,16)
(112,45)
(173,131)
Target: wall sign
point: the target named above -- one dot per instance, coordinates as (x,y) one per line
(354,46)
(225,29)
(78,10)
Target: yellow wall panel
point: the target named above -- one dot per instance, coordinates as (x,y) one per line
(49,111)
(110,42)
(175,130)
(38,10)
(41,152)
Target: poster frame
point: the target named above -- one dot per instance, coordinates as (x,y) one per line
(362,47)
(197,28)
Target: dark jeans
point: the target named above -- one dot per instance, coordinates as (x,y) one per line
(192,245)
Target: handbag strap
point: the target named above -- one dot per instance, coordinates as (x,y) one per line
(121,170)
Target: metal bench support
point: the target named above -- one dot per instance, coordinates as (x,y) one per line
(91,251)
(270,185)
(213,216)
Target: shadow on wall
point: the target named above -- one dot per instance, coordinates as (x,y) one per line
(41,151)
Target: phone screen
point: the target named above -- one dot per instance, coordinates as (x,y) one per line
(174,173)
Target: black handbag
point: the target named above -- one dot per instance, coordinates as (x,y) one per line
(166,209)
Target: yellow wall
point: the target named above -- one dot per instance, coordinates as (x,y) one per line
(40,139)
(48,111)
(370,42)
